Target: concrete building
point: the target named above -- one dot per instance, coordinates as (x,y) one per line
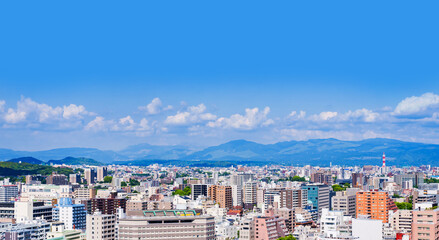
(30,210)
(345,201)
(375,204)
(72,215)
(246,229)
(425,225)
(57,179)
(170,224)
(90,175)
(270,228)
(45,192)
(222,195)
(318,195)
(250,193)
(293,198)
(199,190)
(8,193)
(74,178)
(401,220)
(357,180)
(288,215)
(101,172)
(416,178)
(101,227)
(35,230)
(107,205)
(84,193)
(335,225)
(322,177)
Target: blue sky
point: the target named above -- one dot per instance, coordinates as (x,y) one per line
(354,69)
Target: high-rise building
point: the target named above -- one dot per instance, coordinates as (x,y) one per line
(401,220)
(169,224)
(107,205)
(289,216)
(375,204)
(270,228)
(425,225)
(250,193)
(416,178)
(345,201)
(199,190)
(90,175)
(222,195)
(357,180)
(72,215)
(101,226)
(75,178)
(101,173)
(8,193)
(57,179)
(322,177)
(318,195)
(85,193)
(293,198)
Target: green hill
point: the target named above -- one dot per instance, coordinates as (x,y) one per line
(76,161)
(12,169)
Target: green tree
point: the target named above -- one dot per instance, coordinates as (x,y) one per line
(289,237)
(337,188)
(404,205)
(123,184)
(185,192)
(108,179)
(134,182)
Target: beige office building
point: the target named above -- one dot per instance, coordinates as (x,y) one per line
(167,224)
(101,227)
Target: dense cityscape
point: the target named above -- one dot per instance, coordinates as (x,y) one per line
(237,202)
(219,120)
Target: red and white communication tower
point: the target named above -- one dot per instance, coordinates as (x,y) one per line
(384,160)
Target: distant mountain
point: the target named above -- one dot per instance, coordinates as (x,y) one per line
(30,160)
(59,153)
(147,151)
(76,161)
(314,152)
(323,152)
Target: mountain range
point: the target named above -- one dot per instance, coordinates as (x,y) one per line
(315,152)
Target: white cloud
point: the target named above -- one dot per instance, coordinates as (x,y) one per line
(33,113)
(417,105)
(194,114)
(127,123)
(74,111)
(155,107)
(100,124)
(252,119)
(297,116)
(363,114)
(326,116)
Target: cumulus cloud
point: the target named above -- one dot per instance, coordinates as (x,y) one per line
(250,120)
(99,124)
(417,105)
(297,116)
(33,114)
(193,114)
(155,107)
